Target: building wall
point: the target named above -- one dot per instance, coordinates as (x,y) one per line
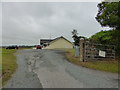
(60,43)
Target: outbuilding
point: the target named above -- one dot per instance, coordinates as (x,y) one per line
(60,42)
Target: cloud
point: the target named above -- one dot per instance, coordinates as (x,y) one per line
(26,23)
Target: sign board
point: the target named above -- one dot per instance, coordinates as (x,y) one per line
(101,53)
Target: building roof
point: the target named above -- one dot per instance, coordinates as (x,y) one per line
(59,38)
(53,40)
(45,40)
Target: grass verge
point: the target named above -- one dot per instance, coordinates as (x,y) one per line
(108,66)
(8,64)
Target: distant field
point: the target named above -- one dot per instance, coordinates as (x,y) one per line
(109,66)
(8,64)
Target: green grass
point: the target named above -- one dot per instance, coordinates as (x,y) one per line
(8,64)
(108,65)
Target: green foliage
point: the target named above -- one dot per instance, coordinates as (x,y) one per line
(110,37)
(76,38)
(103,37)
(108,14)
(74,32)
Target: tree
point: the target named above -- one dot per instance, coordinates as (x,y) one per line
(74,32)
(76,37)
(103,37)
(108,14)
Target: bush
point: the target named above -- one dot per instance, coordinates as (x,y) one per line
(110,37)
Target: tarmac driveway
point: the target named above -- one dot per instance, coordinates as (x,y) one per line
(50,69)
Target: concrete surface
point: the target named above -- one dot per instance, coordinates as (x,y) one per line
(50,69)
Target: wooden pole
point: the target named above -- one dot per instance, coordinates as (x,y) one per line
(82,41)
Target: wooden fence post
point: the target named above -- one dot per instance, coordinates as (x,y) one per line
(82,45)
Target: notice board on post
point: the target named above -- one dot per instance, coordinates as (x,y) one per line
(101,53)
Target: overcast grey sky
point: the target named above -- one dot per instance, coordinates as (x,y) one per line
(26,23)
(0,24)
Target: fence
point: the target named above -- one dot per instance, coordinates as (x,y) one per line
(91,51)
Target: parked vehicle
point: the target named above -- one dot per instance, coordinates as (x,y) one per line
(38,47)
(12,47)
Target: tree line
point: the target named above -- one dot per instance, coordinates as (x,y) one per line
(108,16)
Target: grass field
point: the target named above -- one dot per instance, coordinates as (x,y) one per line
(109,65)
(8,64)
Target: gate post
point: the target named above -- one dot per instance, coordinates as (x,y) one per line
(82,48)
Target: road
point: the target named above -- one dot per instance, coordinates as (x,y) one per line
(50,69)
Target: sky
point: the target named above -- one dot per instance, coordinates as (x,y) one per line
(25,23)
(0,24)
